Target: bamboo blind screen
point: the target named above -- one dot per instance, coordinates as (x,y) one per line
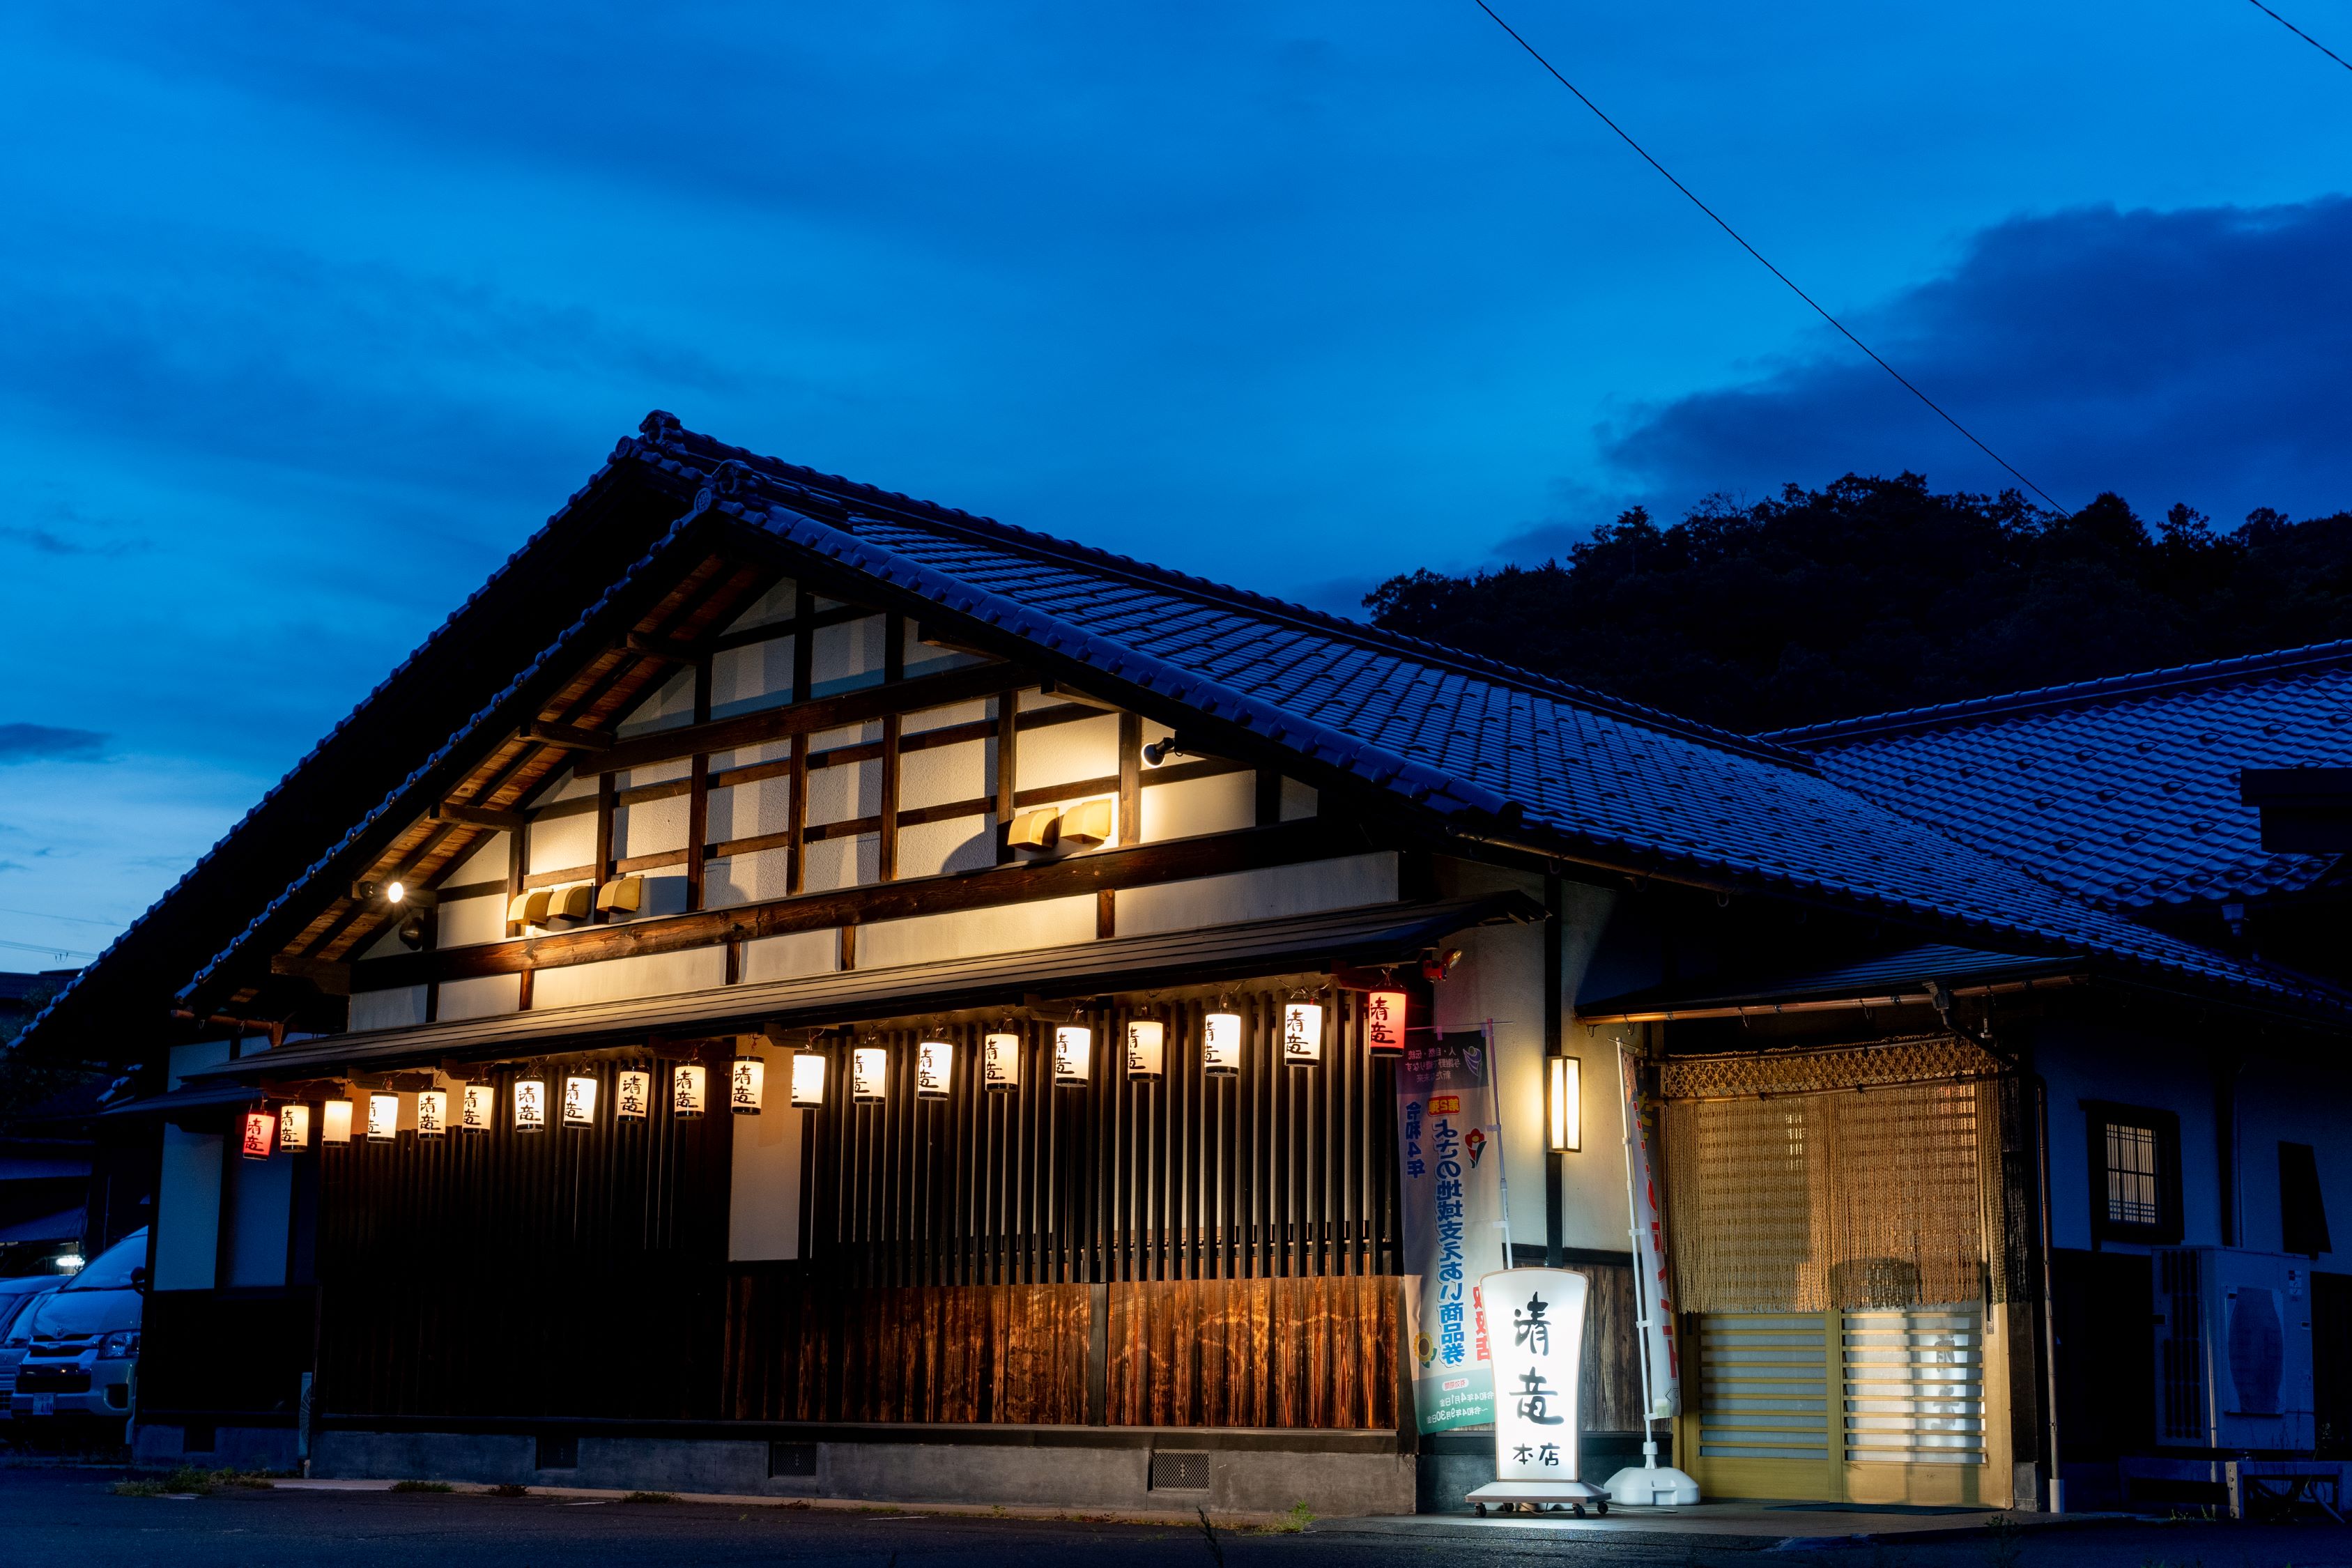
(1822,1196)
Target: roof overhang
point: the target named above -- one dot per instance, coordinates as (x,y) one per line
(1921,976)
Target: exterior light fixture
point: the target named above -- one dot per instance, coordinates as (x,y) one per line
(394,891)
(72,1261)
(1384,1023)
(579,1100)
(476,1106)
(686,1085)
(1147,1043)
(1221,1042)
(260,1132)
(934,1069)
(632,1094)
(293,1127)
(808,1079)
(383,1118)
(530,1105)
(432,1113)
(1074,1046)
(335,1122)
(1302,1033)
(1564,1104)
(747,1085)
(1000,1060)
(869,1074)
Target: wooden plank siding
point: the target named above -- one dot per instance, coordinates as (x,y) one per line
(1316,1351)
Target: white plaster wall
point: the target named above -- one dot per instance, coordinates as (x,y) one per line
(744,756)
(617,979)
(652,828)
(1298,801)
(261,1198)
(849,862)
(776,605)
(1224,803)
(670,705)
(841,794)
(668,771)
(846,656)
(487,863)
(922,658)
(567,786)
(400,1008)
(745,878)
(763,1211)
(941,775)
(970,933)
(755,676)
(463,921)
(187,1216)
(958,844)
(480,997)
(1268,894)
(1066,753)
(792,955)
(2083,1060)
(746,810)
(561,843)
(971,712)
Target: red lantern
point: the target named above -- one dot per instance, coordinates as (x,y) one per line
(260,1133)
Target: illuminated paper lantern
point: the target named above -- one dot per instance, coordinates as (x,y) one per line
(808,1079)
(685,1086)
(1074,1046)
(1220,1044)
(260,1132)
(1384,1023)
(1000,1061)
(383,1118)
(432,1112)
(335,1122)
(934,1069)
(530,1105)
(747,1085)
(579,1101)
(476,1106)
(869,1070)
(632,1094)
(1146,1040)
(1564,1104)
(293,1127)
(1302,1033)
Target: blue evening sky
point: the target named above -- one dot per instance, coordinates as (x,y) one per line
(310,313)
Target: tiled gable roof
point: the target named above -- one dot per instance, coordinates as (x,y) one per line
(2123,791)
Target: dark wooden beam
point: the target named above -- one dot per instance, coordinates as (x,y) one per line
(329,975)
(570,737)
(667,649)
(810,718)
(1312,839)
(481,816)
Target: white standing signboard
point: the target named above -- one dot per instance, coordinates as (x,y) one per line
(1534,1320)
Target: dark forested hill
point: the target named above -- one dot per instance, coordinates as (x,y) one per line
(1878,593)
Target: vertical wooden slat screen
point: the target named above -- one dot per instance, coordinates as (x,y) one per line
(567,1272)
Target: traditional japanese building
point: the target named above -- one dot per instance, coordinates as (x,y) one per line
(797,989)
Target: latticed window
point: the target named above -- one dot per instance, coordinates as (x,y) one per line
(2133,1196)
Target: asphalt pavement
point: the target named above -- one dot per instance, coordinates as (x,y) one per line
(69,1518)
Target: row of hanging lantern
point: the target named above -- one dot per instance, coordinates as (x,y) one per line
(1000,1057)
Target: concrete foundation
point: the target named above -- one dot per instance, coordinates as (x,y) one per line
(218,1448)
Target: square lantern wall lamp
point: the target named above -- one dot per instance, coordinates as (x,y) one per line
(934,1069)
(632,1094)
(1221,1043)
(1074,1046)
(383,1118)
(1564,1104)
(579,1101)
(1384,1023)
(1000,1060)
(808,1079)
(747,1085)
(476,1105)
(294,1127)
(869,1074)
(432,1112)
(335,1122)
(1147,1047)
(530,1105)
(260,1135)
(687,1083)
(1302,1033)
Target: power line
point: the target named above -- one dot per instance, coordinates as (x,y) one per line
(2299,33)
(1536,56)
(46,915)
(52,952)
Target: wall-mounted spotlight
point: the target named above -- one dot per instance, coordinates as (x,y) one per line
(404,895)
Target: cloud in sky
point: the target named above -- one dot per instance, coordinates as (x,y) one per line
(49,742)
(2195,355)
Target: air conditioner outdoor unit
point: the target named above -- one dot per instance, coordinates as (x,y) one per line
(2233,1351)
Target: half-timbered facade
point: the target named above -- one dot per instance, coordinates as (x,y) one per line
(797,989)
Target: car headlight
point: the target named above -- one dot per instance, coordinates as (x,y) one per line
(118,1345)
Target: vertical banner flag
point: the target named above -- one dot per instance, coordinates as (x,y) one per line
(1537,1316)
(1654,1291)
(1451,1167)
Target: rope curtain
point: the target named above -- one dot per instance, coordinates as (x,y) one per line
(1821,1197)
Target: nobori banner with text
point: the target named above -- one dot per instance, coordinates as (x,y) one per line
(1450,1167)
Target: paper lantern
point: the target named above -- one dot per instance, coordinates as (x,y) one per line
(335,1122)
(1302,1033)
(632,1094)
(808,1079)
(1220,1044)
(686,1085)
(1384,1023)
(432,1112)
(934,1069)
(476,1106)
(1564,1104)
(1146,1040)
(530,1105)
(1000,1061)
(383,1118)
(747,1085)
(260,1133)
(293,1127)
(579,1101)
(869,1069)
(1074,1046)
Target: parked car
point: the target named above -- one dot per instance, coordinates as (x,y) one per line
(80,1342)
(16,1298)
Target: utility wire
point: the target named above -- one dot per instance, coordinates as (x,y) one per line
(1736,238)
(46,915)
(2299,33)
(53,952)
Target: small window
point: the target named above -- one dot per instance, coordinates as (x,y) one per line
(2135,1173)
(2303,1211)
